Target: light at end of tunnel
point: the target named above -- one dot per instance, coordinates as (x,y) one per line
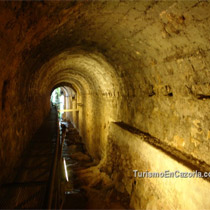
(66,172)
(68,110)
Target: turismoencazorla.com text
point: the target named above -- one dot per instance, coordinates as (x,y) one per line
(171,174)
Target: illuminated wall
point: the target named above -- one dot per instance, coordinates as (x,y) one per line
(144,63)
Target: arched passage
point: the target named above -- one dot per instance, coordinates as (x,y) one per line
(143,64)
(96,83)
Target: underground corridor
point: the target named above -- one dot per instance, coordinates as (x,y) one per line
(105,104)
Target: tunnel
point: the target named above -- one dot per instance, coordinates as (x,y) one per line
(134,130)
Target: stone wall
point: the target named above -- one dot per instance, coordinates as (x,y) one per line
(127,151)
(145,63)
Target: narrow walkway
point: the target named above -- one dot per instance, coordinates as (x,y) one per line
(76,157)
(30,187)
(87,186)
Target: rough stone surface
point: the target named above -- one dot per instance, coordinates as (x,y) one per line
(151,193)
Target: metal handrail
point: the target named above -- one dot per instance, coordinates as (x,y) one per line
(53,177)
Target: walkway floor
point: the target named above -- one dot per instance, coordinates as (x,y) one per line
(30,186)
(87,187)
(76,157)
(83,186)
